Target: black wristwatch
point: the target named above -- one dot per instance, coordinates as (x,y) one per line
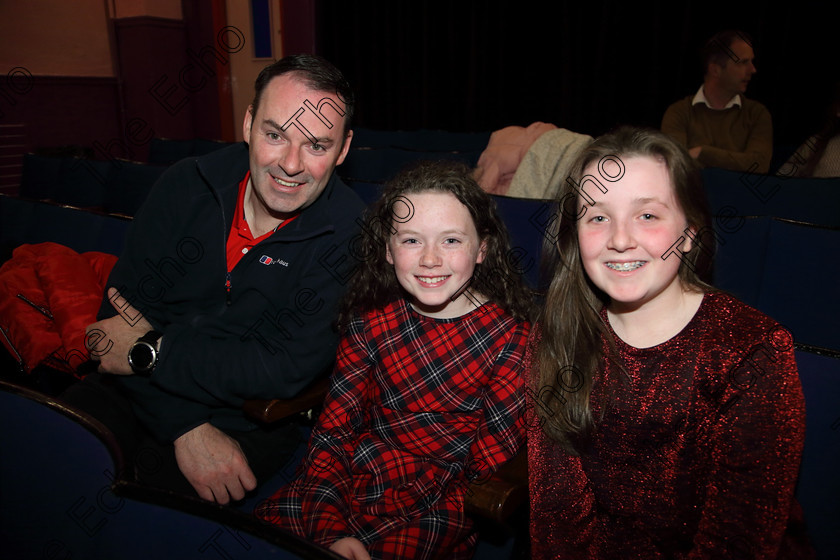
(143,356)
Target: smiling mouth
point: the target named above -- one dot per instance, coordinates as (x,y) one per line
(431,280)
(286,184)
(625,266)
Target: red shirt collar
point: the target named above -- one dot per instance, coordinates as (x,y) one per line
(241,240)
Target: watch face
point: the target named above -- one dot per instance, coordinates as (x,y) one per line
(142,356)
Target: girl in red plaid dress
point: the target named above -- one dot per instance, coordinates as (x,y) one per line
(427,394)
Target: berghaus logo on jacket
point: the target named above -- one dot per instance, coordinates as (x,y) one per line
(266,260)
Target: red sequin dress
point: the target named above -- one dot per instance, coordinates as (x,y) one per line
(418,407)
(697,457)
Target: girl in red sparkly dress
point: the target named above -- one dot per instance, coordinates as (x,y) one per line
(669,419)
(428,390)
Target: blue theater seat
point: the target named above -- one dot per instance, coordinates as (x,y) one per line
(368,191)
(28,221)
(166,151)
(815,201)
(129,185)
(116,185)
(378,165)
(524,221)
(421,140)
(799,283)
(63,494)
(83,182)
(739,265)
(818,490)
(40,176)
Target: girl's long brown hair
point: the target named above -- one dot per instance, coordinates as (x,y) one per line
(570,358)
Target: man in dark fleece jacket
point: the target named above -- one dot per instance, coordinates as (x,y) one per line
(227,290)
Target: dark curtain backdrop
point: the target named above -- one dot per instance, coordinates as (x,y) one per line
(587,66)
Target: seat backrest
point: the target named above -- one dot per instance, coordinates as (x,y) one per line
(30,221)
(129,185)
(62,495)
(818,490)
(739,264)
(377,165)
(805,199)
(799,284)
(420,140)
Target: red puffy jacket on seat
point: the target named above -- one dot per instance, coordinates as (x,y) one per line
(49,294)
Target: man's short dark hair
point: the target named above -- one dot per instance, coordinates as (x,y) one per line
(316,72)
(718,48)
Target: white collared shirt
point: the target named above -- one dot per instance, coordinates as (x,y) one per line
(700,97)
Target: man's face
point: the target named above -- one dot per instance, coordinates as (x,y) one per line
(735,75)
(296,138)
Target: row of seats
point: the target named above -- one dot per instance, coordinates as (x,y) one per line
(776,265)
(70,507)
(30,221)
(378,165)
(114,186)
(804,199)
(120,186)
(421,140)
(763,257)
(166,151)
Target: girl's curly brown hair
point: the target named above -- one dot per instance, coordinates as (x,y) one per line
(375,284)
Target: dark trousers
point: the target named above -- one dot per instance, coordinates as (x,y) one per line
(151,463)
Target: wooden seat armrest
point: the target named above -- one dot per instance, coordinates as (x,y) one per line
(498,496)
(273,410)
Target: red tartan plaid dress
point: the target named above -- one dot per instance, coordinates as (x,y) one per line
(417,408)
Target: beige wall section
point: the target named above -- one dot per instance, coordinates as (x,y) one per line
(244,68)
(170,9)
(35,35)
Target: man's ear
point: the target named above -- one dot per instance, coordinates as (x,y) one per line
(247,122)
(345,148)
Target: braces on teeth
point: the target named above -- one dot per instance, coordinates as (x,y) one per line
(625,267)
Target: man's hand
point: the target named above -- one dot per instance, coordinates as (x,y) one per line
(695,151)
(214,464)
(351,548)
(110,340)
